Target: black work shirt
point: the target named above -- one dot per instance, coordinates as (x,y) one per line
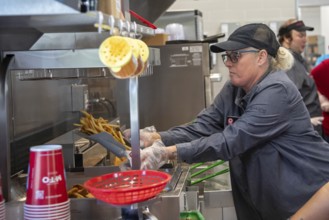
(277,160)
(305,85)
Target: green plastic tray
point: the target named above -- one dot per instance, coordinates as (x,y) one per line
(191,215)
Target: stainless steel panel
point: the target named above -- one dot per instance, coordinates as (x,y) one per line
(192,200)
(218,198)
(229,213)
(175,93)
(5,119)
(66,59)
(224,213)
(67,41)
(17,7)
(81,209)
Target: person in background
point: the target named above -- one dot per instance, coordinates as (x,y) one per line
(320,74)
(259,123)
(292,35)
(321,58)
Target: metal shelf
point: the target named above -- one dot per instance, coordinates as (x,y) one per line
(71,31)
(107,22)
(65,59)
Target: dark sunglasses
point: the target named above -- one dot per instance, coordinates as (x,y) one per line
(235,55)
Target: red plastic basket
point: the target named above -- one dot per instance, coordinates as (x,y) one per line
(127,187)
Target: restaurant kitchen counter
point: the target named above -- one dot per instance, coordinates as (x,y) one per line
(213,197)
(167,205)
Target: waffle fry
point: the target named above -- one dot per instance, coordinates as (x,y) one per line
(115,51)
(144,55)
(90,125)
(143,50)
(134,46)
(125,57)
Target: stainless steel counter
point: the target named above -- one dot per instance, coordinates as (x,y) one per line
(167,205)
(213,198)
(215,194)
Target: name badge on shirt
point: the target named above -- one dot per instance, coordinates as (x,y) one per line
(231,119)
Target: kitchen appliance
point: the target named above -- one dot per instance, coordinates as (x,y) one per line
(175,31)
(191,20)
(49,60)
(79,152)
(40,80)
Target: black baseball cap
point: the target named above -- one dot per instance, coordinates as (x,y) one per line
(255,35)
(298,26)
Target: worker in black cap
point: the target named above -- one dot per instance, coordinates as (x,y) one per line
(259,123)
(292,35)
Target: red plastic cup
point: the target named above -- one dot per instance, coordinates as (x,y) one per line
(47,207)
(48,212)
(46,183)
(58,217)
(47,215)
(51,212)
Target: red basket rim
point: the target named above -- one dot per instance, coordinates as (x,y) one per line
(165,175)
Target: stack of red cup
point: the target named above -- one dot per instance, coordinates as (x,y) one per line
(46,195)
(2,203)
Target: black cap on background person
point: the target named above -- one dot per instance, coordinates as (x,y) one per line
(293,29)
(293,24)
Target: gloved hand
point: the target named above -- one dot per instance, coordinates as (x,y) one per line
(147,136)
(316,121)
(126,163)
(155,156)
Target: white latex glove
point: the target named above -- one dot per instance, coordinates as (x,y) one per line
(316,121)
(325,107)
(146,136)
(154,157)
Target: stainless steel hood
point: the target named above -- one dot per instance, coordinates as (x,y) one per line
(17,28)
(60,31)
(51,24)
(34,7)
(150,9)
